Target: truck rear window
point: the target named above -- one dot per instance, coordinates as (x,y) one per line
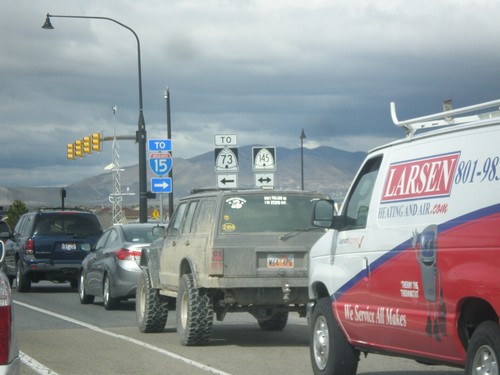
(266,213)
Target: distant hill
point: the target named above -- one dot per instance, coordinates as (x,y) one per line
(326,169)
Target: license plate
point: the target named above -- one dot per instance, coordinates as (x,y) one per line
(68,246)
(280,261)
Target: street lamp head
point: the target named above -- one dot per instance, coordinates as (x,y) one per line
(47,25)
(303,135)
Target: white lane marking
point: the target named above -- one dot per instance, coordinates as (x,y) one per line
(126,338)
(35,365)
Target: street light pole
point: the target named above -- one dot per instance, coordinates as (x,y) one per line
(302,136)
(170,173)
(141,131)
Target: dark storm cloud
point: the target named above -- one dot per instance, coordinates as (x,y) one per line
(260,69)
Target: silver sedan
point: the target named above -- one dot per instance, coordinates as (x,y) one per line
(111,270)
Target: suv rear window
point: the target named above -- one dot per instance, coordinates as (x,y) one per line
(78,224)
(266,213)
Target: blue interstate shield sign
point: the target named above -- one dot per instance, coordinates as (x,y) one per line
(160,163)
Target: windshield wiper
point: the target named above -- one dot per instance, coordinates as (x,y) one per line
(297,231)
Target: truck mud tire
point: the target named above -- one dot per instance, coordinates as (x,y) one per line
(330,352)
(276,323)
(483,352)
(150,307)
(23,279)
(194,313)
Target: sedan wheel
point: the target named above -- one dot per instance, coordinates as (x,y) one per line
(109,302)
(82,294)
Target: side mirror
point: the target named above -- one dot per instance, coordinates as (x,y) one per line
(158,231)
(2,251)
(323,213)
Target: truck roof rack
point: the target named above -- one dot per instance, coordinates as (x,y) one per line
(446,117)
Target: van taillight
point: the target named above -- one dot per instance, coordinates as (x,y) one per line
(29,246)
(217,263)
(5,321)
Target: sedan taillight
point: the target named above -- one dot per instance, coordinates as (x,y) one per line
(127,254)
(5,321)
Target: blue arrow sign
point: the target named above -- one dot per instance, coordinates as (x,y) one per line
(161,185)
(160,145)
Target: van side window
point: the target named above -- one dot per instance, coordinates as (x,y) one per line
(358,204)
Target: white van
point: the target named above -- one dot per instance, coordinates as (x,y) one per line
(411,265)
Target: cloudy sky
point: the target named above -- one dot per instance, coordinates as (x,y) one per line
(261,69)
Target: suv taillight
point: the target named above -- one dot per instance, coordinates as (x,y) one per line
(5,321)
(217,263)
(127,254)
(29,246)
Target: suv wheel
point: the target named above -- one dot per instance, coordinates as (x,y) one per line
(82,294)
(109,302)
(275,323)
(23,279)
(151,308)
(194,313)
(483,353)
(329,349)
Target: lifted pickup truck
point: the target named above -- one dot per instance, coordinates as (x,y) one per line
(229,251)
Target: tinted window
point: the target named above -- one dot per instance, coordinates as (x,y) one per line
(266,213)
(102,240)
(113,239)
(67,224)
(139,235)
(4,229)
(24,225)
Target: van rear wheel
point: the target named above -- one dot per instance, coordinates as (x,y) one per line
(330,352)
(483,352)
(194,311)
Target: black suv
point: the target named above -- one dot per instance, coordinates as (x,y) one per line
(50,245)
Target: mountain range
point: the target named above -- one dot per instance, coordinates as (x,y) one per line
(326,169)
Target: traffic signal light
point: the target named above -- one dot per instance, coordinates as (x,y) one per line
(96,142)
(78,148)
(87,147)
(71,151)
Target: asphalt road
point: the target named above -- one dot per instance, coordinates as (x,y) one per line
(58,335)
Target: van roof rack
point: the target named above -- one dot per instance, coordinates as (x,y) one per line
(446,117)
